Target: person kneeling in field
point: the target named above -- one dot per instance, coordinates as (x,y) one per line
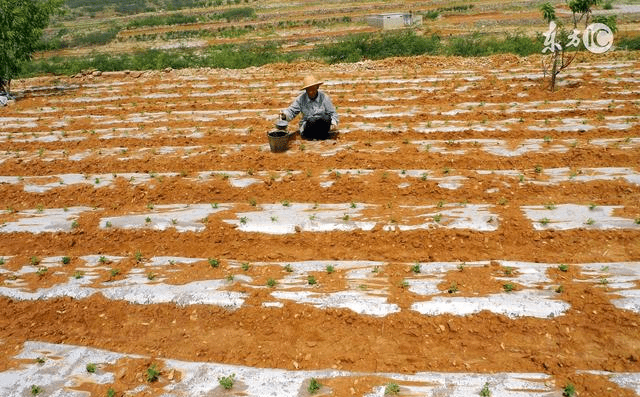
(319,116)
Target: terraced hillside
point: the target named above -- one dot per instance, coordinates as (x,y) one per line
(197,26)
(466,233)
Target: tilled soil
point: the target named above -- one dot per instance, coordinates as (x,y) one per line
(187,136)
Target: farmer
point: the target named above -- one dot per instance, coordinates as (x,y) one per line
(318,113)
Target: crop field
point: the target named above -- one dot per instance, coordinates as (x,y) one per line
(468,232)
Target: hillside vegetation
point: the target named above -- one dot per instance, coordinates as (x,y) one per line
(140,35)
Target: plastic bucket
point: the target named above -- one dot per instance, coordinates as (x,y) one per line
(278,141)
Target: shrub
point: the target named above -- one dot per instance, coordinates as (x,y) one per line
(235,14)
(477,44)
(378,46)
(172,19)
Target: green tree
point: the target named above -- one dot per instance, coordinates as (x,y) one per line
(548,12)
(21,26)
(560,58)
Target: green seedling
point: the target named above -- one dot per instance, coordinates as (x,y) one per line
(227,381)
(230,278)
(253,202)
(108,224)
(111,392)
(314,386)
(147,220)
(376,269)
(559,289)
(214,262)
(353,205)
(214,205)
(274,219)
(1,261)
(404,284)
(103,259)
(138,256)
(42,271)
(538,169)
(271,282)
(288,268)
(569,390)
(508,270)
(440,204)
(345,217)
(637,221)
(330,269)
(485,392)
(563,268)
(151,275)
(509,287)
(152,373)
(91,368)
(285,203)
(590,221)
(311,280)
(453,288)
(243,220)
(66,260)
(245,266)
(462,266)
(40,360)
(437,218)
(544,221)
(174,221)
(114,272)
(550,206)
(35,390)
(391,388)
(35,261)
(415,268)
(78,274)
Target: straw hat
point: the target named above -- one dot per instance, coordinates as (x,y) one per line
(310,80)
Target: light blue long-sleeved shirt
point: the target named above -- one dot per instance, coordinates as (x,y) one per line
(311,107)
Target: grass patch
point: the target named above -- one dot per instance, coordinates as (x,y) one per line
(629,43)
(356,47)
(224,56)
(476,45)
(159,20)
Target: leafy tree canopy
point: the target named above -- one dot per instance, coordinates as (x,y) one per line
(21,25)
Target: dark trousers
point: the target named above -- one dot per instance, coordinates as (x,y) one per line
(317,127)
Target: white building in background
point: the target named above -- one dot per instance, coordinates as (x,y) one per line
(394,20)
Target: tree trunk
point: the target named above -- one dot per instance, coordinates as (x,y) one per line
(554,71)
